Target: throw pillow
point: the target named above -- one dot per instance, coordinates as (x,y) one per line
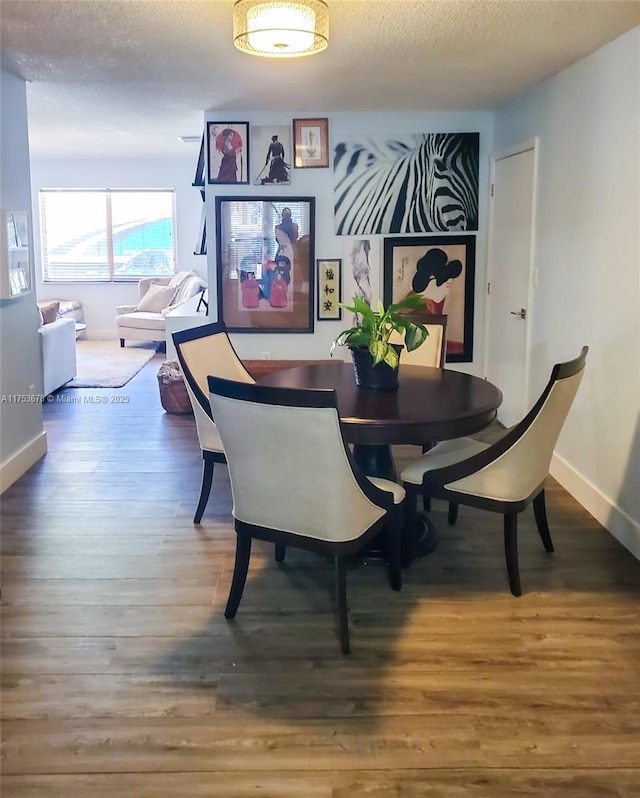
(179,277)
(49,311)
(186,290)
(156,299)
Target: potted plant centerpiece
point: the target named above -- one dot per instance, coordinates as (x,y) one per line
(375,359)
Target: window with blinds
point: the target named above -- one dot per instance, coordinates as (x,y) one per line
(105,235)
(249,228)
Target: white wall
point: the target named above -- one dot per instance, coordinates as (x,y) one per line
(588,260)
(100,299)
(22,440)
(318,183)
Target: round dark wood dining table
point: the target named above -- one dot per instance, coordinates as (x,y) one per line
(429,405)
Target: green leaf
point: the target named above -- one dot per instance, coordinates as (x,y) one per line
(391,358)
(411,302)
(415,335)
(355,337)
(378,351)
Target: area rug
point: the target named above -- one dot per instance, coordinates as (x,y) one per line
(105,364)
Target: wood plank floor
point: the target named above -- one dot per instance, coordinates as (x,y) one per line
(121,677)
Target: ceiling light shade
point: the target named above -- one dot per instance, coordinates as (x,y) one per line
(280,28)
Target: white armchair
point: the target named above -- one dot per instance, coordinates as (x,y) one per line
(158,295)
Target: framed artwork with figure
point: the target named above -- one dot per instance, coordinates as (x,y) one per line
(271,155)
(228,153)
(311,142)
(265,256)
(442,270)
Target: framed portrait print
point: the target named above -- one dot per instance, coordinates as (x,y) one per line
(265,257)
(228,152)
(442,270)
(271,155)
(311,142)
(329,273)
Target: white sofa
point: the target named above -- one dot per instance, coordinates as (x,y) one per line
(144,325)
(58,348)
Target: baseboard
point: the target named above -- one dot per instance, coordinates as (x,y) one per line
(623,528)
(19,463)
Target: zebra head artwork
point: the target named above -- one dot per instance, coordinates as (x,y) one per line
(421,183)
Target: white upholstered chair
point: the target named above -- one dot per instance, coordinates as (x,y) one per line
(432,351)
(158,295)
(295,482)
(506,476)
(202,351)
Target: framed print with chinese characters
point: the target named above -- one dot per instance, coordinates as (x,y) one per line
(329,294)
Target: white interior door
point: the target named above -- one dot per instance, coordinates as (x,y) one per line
(509,282)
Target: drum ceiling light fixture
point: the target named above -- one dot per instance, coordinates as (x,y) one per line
(280,28)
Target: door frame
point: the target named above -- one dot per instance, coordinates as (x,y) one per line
(524,146)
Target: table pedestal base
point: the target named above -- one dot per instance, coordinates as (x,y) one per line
(426,540)
(376,460)
(426,536)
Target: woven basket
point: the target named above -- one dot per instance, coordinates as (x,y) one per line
(173,392)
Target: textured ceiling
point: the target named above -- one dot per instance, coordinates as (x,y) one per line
(127,77)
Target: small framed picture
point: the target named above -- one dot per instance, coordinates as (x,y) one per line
(329,274)
(228,153)
(311,142)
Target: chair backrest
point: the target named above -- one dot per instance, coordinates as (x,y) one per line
(289,467)
(202,351)
(514,467)
(432,351)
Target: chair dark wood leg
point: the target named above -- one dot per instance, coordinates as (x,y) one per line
(426,500)
(394,549)
(409,529)
(280,552)
(453,513)
(341,595)
(540,513)
(205,489)
(511,551)
(240,568)
(122,343)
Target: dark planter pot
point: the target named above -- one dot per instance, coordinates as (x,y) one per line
(378,378)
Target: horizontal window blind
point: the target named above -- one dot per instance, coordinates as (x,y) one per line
(249,227)
(107,234)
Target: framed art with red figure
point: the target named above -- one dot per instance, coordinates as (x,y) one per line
(228,152)
(441,269)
